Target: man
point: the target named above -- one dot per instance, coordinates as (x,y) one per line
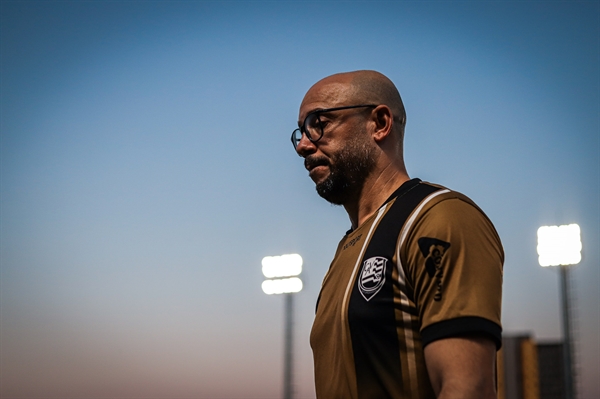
(410,306)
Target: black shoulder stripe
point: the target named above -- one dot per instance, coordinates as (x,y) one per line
(385,237)
(371,311)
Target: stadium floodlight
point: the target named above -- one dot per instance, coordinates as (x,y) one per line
(282,286)
(282,266)
(559,245)
(282,278)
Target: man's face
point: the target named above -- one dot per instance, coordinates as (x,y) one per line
(348,170)
(343,158)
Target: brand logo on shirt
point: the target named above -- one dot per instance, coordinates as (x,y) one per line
(352,241)
(433,250)
(372,276)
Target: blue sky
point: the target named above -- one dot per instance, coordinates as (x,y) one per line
(146,169)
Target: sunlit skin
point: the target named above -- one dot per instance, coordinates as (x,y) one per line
(458,367)
(462,368)
(375,124)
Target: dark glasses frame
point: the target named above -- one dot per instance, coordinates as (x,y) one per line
(297,133)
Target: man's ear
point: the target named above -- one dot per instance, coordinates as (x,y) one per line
(384,121)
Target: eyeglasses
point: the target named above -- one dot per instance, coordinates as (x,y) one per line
(313,127)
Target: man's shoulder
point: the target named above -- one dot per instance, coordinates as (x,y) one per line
(450,212)
(416,198)
(446,209)
(447,194)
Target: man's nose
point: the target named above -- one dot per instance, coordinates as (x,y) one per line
(305,146)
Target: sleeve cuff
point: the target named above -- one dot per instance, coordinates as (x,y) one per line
(462,326)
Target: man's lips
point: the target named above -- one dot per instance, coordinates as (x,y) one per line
(311,163)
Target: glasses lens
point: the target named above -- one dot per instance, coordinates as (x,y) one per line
(296,137)
(312,124)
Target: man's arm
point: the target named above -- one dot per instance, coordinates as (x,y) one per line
(462,368)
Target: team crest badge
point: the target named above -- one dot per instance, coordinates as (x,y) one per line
(372,277)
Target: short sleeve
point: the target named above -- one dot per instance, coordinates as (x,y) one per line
(453,260)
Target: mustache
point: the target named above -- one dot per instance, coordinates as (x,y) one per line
(314,161)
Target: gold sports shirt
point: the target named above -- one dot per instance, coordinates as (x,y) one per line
(426,266)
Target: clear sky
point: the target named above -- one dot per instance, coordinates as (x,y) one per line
(146,169)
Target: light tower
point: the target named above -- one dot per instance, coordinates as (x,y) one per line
(282,278)
(561,246)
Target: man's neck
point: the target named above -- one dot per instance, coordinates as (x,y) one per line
(375,191)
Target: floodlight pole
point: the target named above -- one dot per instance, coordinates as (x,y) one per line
(567,346)
(288,360)
(282,273)
(561,246)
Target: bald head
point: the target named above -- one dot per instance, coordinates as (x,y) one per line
(355,156)
(362,87)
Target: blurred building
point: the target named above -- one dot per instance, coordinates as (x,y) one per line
(550,358)
(530,370)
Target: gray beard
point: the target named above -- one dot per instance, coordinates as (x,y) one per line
(347,173)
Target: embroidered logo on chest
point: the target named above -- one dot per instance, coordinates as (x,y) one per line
(372,276)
